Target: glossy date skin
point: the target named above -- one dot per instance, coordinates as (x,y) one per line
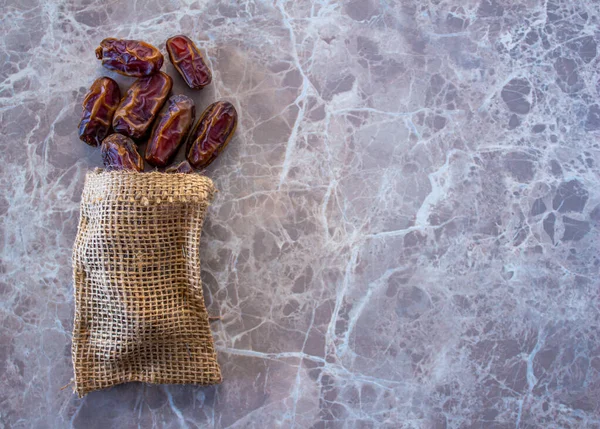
(129,57)
(183,167)
(99,106)
(141,104)
(119,153)
(170,130)
(211,134)
(189,62)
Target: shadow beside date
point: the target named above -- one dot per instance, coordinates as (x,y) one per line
(182,167)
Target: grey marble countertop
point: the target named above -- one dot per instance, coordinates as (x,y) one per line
(408,223)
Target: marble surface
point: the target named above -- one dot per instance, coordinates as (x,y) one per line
(407,229)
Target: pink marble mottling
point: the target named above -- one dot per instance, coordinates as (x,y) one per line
(408,224)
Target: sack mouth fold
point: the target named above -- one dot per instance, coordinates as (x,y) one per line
(139,307)
(147,188)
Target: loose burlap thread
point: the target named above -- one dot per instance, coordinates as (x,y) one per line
(139,307)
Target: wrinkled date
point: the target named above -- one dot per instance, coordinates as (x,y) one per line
(211,134)
(183,167)
(189,62)
(171,128)
(99,106)
(140,106)
(119,153)
(129,57)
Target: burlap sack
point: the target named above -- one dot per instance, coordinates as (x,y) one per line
(139,307)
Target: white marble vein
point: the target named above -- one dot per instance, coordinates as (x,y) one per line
(406,233)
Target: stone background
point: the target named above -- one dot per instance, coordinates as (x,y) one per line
(407,229)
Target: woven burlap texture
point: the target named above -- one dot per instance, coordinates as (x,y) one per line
(139,307)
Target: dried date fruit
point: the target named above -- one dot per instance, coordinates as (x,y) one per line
(99,106)
(189,62)
(183,167)
(142,103)
(129,57)
(119,153)
(211,134)
(170,130)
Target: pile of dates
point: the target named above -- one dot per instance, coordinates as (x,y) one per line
(118,124)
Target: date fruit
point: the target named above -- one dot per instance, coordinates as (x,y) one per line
(129,57)
(99,106)
(142,103)
(188,61)
(183,167)
(119,153)
(211,134)
(170,130)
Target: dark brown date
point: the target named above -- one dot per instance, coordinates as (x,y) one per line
(183,167)
(99,106)
(211,134)
(129,57)
(170,130)
(189,62)
(142,103)
(119,153)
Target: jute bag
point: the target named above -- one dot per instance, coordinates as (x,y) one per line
(139,307)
